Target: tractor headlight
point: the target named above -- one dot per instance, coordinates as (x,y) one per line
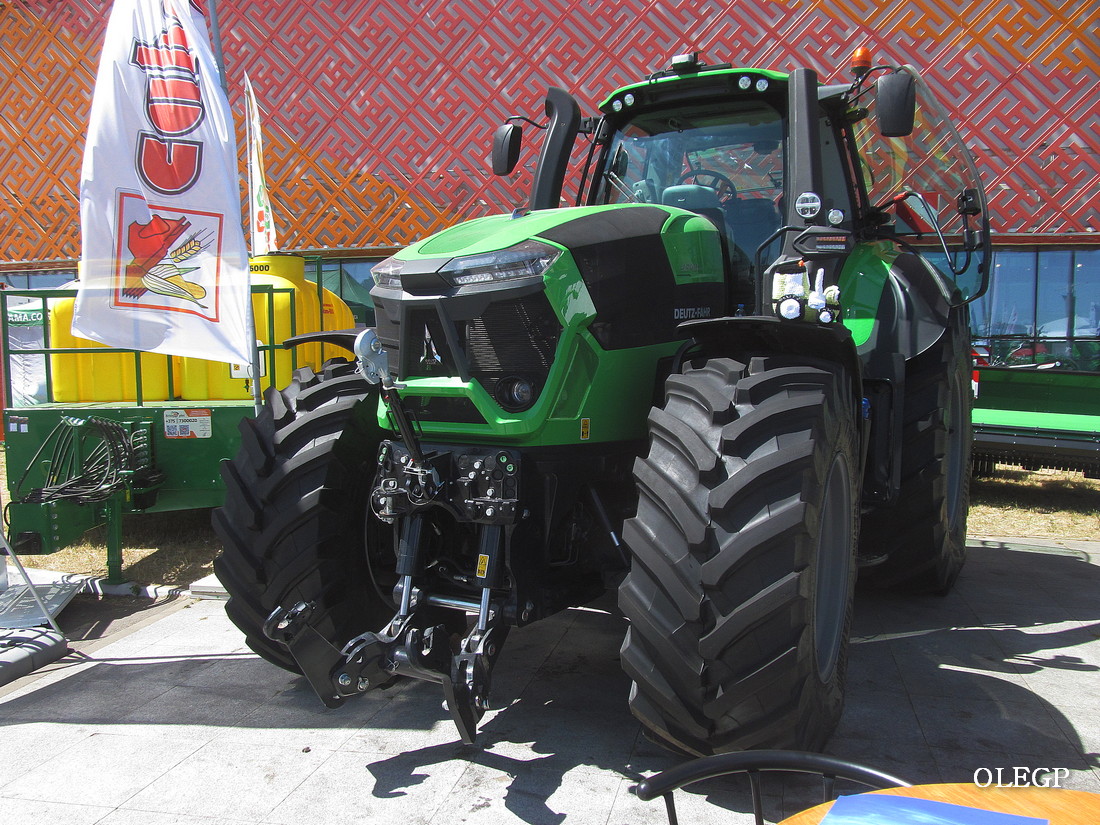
(515,393)
(387,273)
(526,260)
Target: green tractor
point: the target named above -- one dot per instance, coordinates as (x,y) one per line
(734,373)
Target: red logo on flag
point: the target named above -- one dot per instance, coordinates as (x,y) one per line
(174,105)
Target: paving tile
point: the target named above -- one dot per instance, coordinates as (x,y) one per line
(241,673)
(725,800)
(563,739)
(229,780)
(886,717)
(122,816)
(904,614)
(871,665)
(57,672)
(941,675)
(296,718)
(492,794)
(1002,671)
(912,761)
(193,713)
(1081,725)
(365,789)
(101,769)
(26,745)
(28,811)
(1024,728)
(1027,603)
(82,701)
(414,718)
(148,666)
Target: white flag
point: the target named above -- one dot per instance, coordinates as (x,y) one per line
(260,217)
(163,262)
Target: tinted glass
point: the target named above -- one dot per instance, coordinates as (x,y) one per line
(1043,310)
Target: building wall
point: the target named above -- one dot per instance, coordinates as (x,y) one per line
(379,113)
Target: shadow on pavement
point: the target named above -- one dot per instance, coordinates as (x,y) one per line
(994,674)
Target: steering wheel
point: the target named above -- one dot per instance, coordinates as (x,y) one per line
(725,187)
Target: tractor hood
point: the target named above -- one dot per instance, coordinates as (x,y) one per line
(510,327)
(499,232)
(506,251)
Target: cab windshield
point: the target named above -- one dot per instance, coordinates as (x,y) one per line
(724,162)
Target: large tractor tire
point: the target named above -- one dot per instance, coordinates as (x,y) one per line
(923,535)
(293,522)
(743,556)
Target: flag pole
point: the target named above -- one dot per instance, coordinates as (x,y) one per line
(250,315)
(216,40)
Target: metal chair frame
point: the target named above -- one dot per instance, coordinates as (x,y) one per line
(753,763)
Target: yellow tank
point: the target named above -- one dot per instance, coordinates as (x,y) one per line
(103,376)
(292,308)
(295,308)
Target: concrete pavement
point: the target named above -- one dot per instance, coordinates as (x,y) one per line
(174,720)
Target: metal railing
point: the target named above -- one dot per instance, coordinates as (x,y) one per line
(45,297)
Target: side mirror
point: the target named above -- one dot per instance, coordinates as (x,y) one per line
(507,140)
(621,163)
(896,103)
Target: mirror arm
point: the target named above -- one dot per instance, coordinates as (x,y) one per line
(514,118)
(858,88)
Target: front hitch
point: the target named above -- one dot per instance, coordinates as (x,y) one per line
(410,645)
(476,485)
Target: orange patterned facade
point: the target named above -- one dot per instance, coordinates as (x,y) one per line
(378,114)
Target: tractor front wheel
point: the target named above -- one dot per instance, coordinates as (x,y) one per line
(294,525)
(743,556)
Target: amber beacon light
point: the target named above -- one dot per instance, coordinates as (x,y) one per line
(861,61)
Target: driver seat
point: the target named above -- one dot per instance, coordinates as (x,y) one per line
(700,199)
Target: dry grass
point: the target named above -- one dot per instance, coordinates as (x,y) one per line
(173,549)
(1049,504)
(179,548)
(161,548)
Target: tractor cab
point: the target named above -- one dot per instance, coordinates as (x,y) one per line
(725,162)
(786,169)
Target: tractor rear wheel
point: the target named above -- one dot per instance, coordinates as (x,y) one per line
(743,556)
(294,517)
(924,532)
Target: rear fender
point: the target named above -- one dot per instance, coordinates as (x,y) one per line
(907,311)
(337,337)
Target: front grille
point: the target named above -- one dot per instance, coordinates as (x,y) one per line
(513,338)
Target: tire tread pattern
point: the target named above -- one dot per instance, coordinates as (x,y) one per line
(717,592)
(293,518)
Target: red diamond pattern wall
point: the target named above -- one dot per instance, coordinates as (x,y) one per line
(378,113)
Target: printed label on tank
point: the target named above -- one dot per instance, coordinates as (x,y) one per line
(187,424)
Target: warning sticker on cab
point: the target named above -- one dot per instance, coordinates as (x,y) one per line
(187,424)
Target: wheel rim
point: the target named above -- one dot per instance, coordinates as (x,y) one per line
(955,470)
(834,550)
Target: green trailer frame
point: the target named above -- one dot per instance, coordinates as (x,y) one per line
(1036,339)
(187,441)
(1037,418)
